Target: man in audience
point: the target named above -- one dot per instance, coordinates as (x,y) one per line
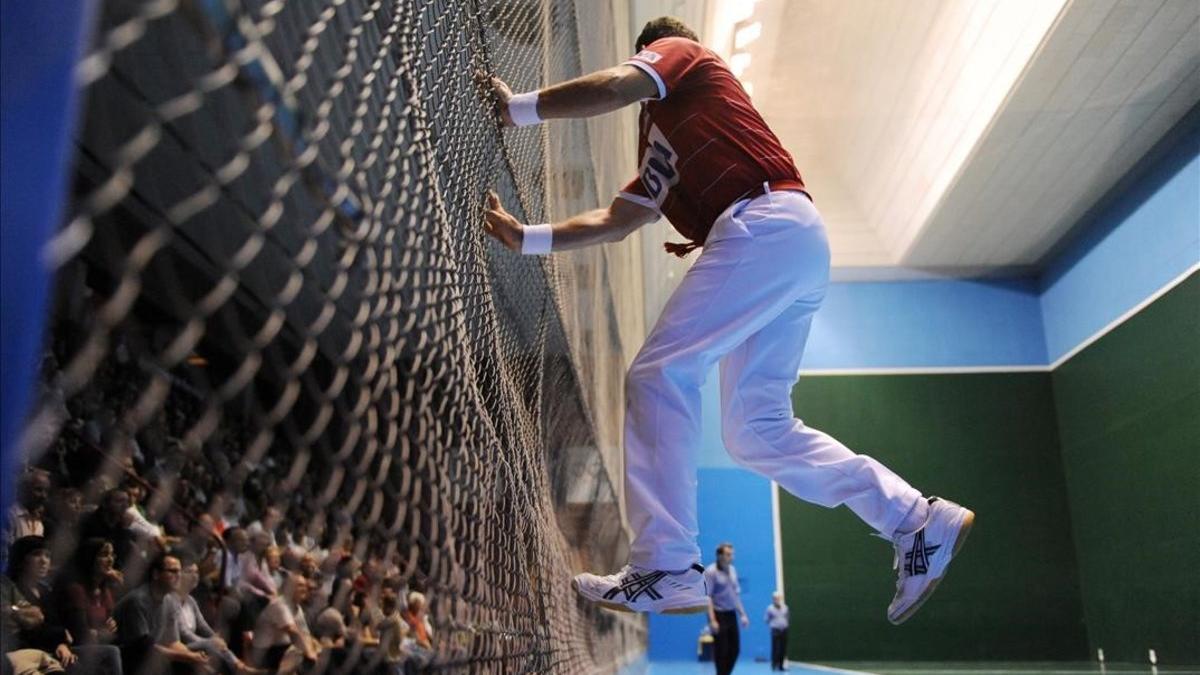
(194,630)
(390,628)
(237,542)
(25,517)
(282,626)
(148,634)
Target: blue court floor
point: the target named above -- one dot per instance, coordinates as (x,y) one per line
(898,668)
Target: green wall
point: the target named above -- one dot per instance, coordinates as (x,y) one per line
(989,441)
(1129,423)
(1086,486)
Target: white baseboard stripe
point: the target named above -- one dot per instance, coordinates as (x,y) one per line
(925,370)
(1127,315)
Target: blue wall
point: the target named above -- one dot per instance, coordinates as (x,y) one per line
(912,324)
(734,505)
(1140,238)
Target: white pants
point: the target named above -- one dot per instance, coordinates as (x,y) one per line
(747,302)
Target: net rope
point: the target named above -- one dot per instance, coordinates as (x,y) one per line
(272,293)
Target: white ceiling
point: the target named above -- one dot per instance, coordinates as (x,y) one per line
(961,136)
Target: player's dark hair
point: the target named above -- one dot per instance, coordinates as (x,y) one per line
(662,27)
(722,546)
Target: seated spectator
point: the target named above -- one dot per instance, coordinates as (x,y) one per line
(65,512)
(255,577)
(111,522)
(202,545)
(237,542)
(24,587)
(391,629)
(330,632)
(418,620)
(26,516)
(147,632)
(309,567)
(139,524)
(289,560)
(194,631)
(24,619)
(275,568)
(87,593)
(271,519)
(237,612)
(282,627)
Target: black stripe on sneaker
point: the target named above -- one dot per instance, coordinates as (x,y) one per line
(636,585)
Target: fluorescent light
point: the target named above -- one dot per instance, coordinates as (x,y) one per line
(747,34)
(739,62)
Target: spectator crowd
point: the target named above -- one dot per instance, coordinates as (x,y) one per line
(125,560)
(132,595)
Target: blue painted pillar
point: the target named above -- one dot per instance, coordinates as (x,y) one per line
(40,43)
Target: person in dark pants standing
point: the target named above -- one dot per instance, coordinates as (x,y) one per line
(777,621)
(725,609)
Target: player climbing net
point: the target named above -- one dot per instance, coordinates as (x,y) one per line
(271,290)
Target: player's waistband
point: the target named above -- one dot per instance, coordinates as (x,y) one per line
(777,185)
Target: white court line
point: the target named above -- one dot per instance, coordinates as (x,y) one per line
(826,669)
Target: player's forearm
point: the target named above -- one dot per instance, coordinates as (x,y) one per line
(586,229)
(593,94)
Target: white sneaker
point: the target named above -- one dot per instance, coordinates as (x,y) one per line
(637,589)
(923,556)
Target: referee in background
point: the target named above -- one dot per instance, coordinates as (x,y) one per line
(724,609)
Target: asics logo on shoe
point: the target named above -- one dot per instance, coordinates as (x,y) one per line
(635,585)
(916,560)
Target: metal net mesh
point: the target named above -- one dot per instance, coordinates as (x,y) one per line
(275,311)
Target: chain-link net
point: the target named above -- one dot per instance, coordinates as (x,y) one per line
(281,350)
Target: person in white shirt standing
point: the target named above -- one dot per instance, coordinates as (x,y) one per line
(724,609)
(777,621)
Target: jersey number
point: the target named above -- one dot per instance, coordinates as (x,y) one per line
(658,166)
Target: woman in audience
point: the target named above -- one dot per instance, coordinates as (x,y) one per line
(88,592)
(25,586)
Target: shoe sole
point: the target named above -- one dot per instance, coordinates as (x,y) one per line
(960,538)
(614,607)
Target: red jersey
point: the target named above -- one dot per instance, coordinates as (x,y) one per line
(701,142)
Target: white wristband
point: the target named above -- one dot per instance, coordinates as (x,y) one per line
(522,108)
(537,239)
